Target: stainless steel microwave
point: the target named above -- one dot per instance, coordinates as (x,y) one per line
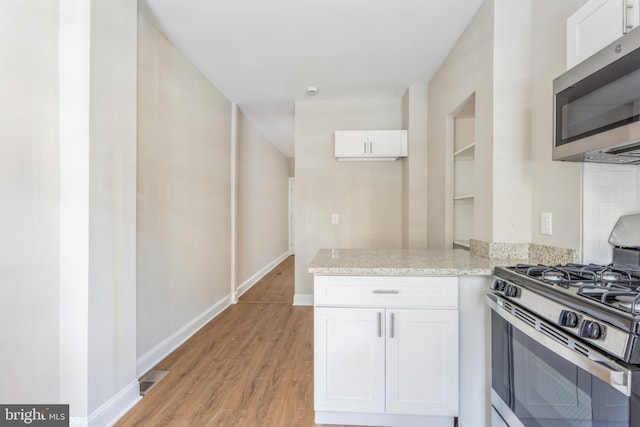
(597,106)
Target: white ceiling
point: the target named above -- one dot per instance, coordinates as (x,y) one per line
(262,54)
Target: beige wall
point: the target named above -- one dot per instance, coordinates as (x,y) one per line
(112,249)
(557,186)
(68,222)
(511,207)
(184,158)
(29,188)
(467,69)
(262,202)
(366,195)
(414,176)
(508,55)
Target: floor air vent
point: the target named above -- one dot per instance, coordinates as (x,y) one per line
(150,380)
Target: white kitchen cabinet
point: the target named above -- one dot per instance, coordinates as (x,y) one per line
(349,359)
(401,361)
(598,23)
(422,362)
(386,350)
(370,145)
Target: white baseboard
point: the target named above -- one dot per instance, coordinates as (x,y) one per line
(303,299)
(152,357)
(112,410)
(247,284)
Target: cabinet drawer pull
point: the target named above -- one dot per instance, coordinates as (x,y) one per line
(386,291)
(392,326)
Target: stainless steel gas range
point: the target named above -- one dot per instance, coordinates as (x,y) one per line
(565,345)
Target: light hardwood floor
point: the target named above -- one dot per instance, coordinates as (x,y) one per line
(275,287)
(251,366)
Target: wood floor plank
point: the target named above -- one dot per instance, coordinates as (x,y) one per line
(275,287)
(251,366)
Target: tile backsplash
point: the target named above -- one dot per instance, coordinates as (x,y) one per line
(609,191)
(524,252)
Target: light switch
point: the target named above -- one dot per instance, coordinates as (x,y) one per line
(335,218)
(545,223)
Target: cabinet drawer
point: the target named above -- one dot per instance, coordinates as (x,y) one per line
(370,291)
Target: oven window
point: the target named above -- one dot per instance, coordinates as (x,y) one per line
(549,391)
(501,357)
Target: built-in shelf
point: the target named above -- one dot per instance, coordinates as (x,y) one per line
(464,152)
(462,243)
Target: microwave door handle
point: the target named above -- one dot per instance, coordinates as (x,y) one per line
(597,365)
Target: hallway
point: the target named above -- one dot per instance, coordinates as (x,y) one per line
(251,366)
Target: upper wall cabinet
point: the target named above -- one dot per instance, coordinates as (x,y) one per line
(598,23)
(370,144)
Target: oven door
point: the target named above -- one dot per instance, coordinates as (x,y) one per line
(540,380)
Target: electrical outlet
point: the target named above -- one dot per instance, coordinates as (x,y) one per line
(335,218)
(545,223)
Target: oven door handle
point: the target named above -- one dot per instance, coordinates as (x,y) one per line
(597,364)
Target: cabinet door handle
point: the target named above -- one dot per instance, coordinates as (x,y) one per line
(379,325)
(392,324)
(386,291)
(364,147)
(625,16)
(370,147)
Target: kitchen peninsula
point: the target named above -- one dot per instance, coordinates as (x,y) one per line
(401,336)
(403,262)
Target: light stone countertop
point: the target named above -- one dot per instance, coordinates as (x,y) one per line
(403,262)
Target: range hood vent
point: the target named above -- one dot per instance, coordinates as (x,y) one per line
(626,154)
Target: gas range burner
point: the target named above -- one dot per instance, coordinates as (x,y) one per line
(612,273)
(553,276)
(565,276)
(613,277)
(615,295)
(630,303)
(570,275)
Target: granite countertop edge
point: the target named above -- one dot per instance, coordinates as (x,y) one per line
(375,271)
(403,262)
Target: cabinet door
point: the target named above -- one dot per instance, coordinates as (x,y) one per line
(351,143)
(596,24)
(422,362)
(387,143)
(349,358)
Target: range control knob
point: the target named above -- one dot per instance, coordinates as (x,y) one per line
(499,285)
(590,329)
(510,291)
(568,319)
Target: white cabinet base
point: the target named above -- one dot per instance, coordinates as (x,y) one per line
(386,350)
(355,418)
